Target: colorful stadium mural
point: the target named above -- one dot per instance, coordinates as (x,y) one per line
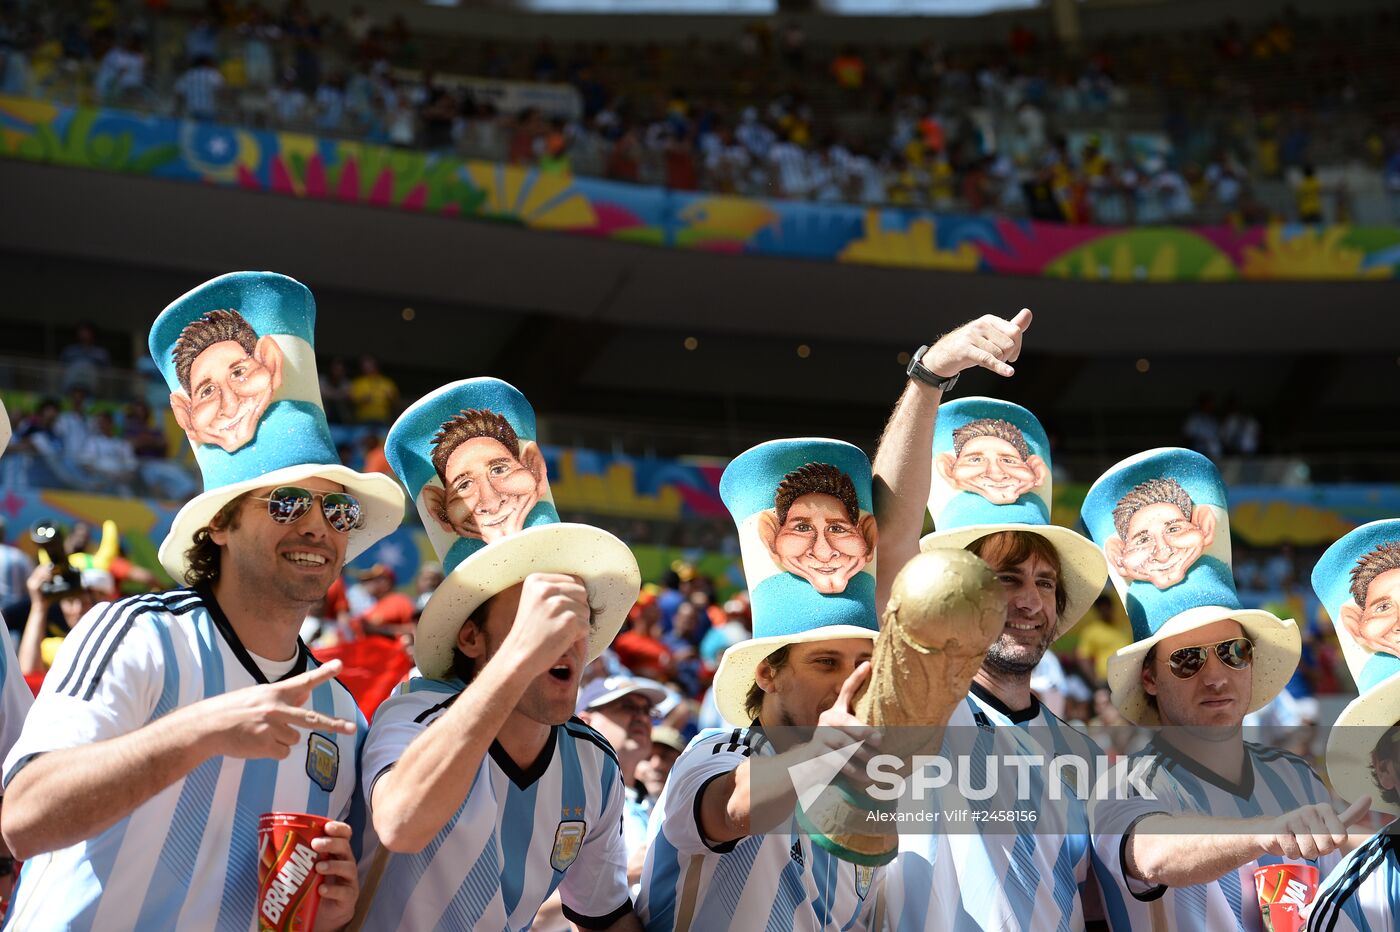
(298,165)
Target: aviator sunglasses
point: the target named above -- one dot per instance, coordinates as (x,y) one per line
(1236,653)
(288,503)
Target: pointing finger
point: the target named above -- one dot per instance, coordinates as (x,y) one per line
(1022,320)
(309,680)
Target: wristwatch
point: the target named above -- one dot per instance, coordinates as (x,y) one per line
(917,370)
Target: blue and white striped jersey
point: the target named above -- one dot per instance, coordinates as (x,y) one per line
(1016,860)
(1274,782)
(188,857)
(519,835)
(777,881)
(1363,893)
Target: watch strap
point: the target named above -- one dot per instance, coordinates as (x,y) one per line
(917,370)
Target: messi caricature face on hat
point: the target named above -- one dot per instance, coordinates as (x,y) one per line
(468,455)
(1358,582)
(807,540)
(238,354)
(992,474)
(1163,521)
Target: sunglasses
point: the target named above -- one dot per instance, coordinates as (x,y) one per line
(1236,653)
(288,503)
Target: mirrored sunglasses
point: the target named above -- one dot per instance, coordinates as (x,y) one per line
(286,505)
(1235,653)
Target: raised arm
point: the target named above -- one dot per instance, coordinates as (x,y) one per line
(62,797)
(904,460)
(1181,851)
(412,802)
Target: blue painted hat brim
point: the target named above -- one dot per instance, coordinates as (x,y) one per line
(1277,648)
(1348,759)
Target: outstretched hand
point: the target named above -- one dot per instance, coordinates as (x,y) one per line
(988,341)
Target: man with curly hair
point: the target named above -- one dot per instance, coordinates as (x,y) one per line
(816,530)
(1373,618)
(992,459)
(1161,533)
(490,478)
(228,376)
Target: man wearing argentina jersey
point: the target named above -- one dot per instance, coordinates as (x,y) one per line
(486,790)
(169,723)
(1180,826)
(708,867)
(1363,893)
(1018,860)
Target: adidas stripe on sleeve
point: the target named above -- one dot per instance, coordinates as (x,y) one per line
(1363,893)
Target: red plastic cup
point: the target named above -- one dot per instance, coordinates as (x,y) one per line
(288,885)
(1284,891)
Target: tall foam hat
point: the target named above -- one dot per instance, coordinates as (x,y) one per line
(1358,582)
(1163,521)
(238,354)
(468,455)
(807,540)
(992,473)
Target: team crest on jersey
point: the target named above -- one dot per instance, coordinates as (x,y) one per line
(864,874)
(322,760)
(568,841)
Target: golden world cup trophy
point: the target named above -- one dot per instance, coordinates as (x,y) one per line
(945,609)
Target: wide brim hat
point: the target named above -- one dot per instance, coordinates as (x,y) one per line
(1277,647)
(1083,571)
(1353,737)
(787,608)
(604,563)
(963,513)
(735,675)
(4,428)
(1205,593)
(1367,551)
(270,319)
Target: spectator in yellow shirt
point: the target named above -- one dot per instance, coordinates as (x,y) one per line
(1100,637)
(373,394)
(1309,195)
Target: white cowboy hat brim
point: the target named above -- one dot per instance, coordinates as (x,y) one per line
(604,563)
(381,503)
(1083,570)
(1277,648)
(736,667)
(1353,737)
(4,428)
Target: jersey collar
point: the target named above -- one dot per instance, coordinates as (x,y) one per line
(1175,758)
(987,697)
(523,777)
(230,636)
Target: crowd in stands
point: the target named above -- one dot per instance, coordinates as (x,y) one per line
(1022,127)
(93,440)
